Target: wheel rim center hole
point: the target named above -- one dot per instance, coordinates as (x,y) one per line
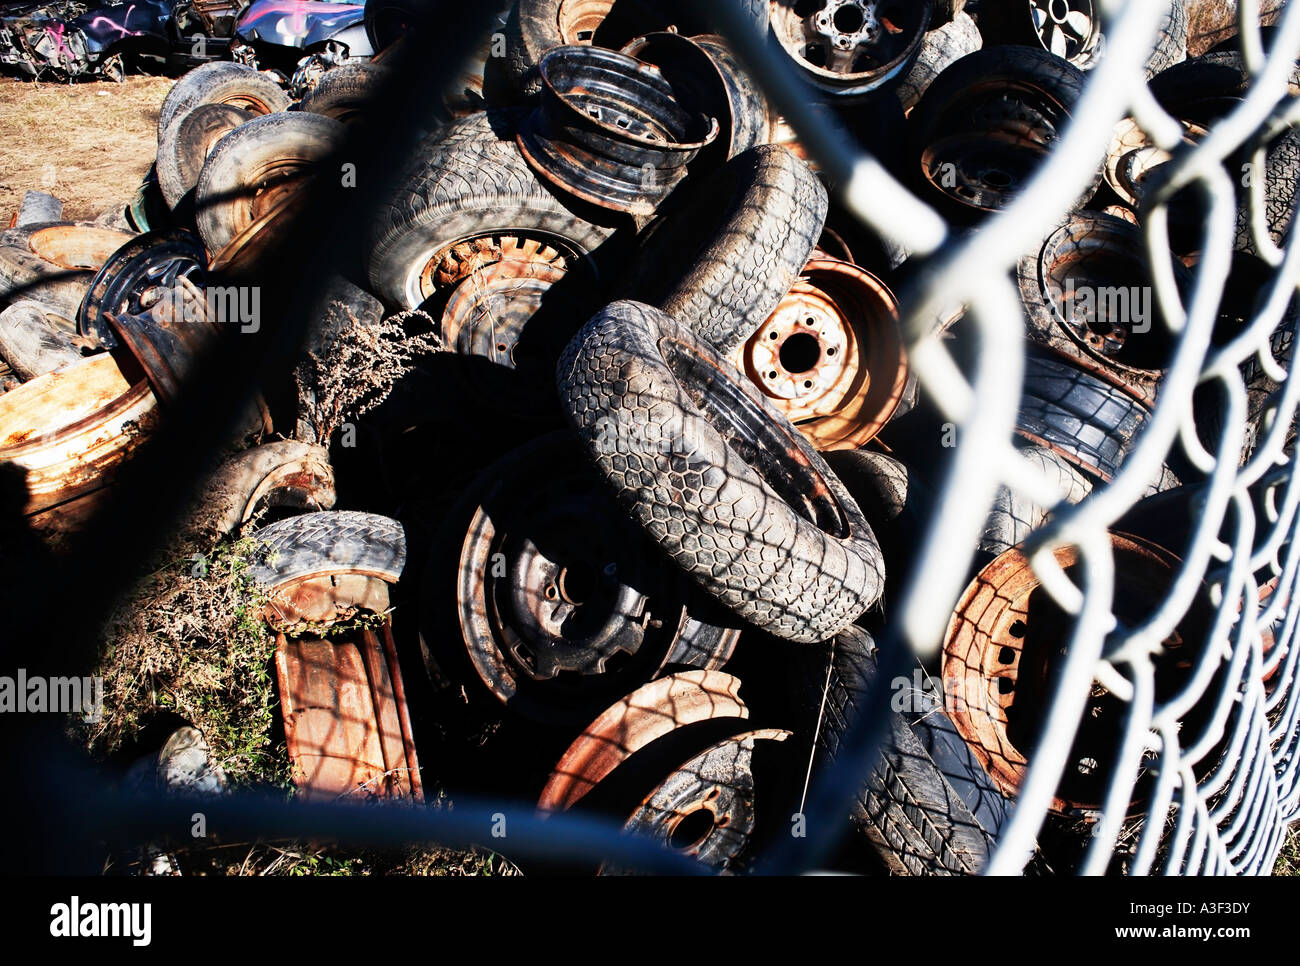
(800,352)
(577,583)
(692,830)
(848,19)
(996,179)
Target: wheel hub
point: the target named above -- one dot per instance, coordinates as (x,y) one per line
(1066,27)
(804,350)
(848,23)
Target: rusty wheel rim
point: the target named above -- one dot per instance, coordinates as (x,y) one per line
(77,246)
(850,45)
(706,809)
(560,605)
(634,722)
(831,356)
(1080,262)
(249,102)
(460,261)
(1004,642)
(578,20)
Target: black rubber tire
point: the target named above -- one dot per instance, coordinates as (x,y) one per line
(889,498)
(26,275)
(329,542)
(1171,47)
(721,258)
(713,513)
(31,344)
(470,180)
(533,28)
(941,48)
(220,82)
(945,109)
(187,144)
(906,809)
(1090,422)
(1014,516)
(1204,90)
(342,92)
(228,180)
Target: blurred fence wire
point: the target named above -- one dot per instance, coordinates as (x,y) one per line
(1223,797)
(1220,799)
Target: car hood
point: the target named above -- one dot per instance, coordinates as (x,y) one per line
(297,23)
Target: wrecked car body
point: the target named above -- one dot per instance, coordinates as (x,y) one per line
(68,39)
(278,33)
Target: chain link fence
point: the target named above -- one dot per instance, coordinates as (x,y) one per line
(1211,799)
(1204,778)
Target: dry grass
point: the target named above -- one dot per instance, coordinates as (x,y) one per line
(1288,860)
(95,141)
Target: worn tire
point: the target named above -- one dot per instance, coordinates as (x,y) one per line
(711,511)
(220,82)
(1014,516)
(1090,422)
(941,48)
(187,144)
(223,198)
(906,809)
(533,27)
(722,258)
(470,180)
(1203,91)
(342,92)
(31,344)
(1171,47)
(61,281)
(960,101)
(37,207)
(887,494)
(330,542)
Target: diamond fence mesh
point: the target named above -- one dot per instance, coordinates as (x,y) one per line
(1204,776)
(1213,797)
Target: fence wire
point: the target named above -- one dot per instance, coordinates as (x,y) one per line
(1221,799)
(1216,801)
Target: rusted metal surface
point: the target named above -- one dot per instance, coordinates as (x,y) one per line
(1007,636)
(1087,292)
(708,808)
(610,130)
(167,338)
(831,356)
(697,79)
(142,271)
(560,601)
(345,718)
(849,49)
(319,601)
(77,246)
(283,473)
(648,713)
(255,241)
(70,431)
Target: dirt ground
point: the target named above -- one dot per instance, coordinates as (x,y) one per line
(88,144)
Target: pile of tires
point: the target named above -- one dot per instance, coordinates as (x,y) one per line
(624,544)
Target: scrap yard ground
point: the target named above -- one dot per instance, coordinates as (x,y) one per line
(88,144)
